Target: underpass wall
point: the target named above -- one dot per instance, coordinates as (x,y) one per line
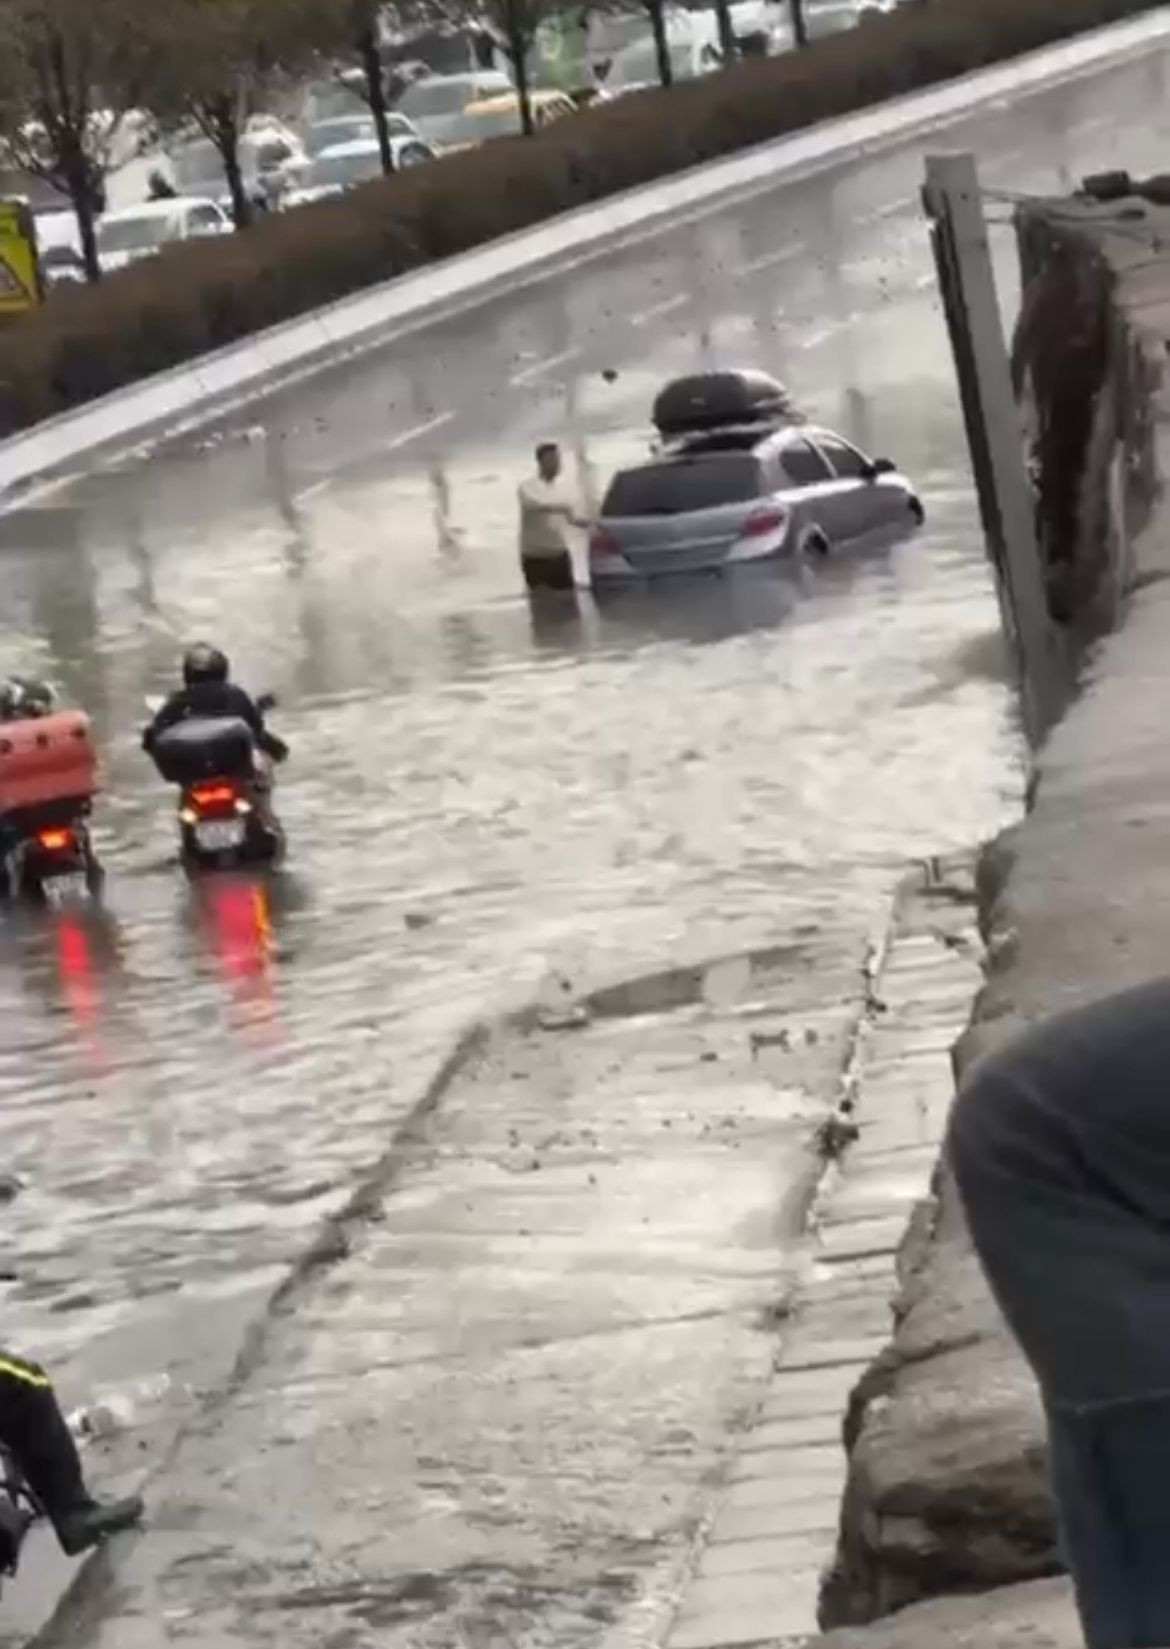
(947,1482)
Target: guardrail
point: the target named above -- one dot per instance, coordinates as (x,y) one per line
(176,400)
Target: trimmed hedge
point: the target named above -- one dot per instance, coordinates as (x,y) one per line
(90,341)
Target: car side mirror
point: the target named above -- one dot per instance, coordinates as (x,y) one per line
(266,702)
(881,466)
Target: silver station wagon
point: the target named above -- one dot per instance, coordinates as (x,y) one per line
(739,480)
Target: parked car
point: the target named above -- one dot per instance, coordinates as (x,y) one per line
(436,99)
(341,94)
(345,165)
(694,50)
(59,247)
(328,134)
(141,231)
(739,482)
(825,17)
(500,117)
(271,158)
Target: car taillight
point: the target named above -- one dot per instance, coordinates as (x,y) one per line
(763,522)
(602,544)
(55,841)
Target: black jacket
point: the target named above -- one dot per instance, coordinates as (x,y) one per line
(215,699)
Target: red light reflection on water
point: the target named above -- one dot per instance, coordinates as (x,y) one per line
(237,921)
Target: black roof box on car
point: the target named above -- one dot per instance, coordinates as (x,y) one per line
(707,401)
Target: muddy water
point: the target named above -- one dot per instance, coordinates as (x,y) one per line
(482,797)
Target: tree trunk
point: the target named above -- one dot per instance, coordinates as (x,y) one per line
(376,91)
(799,22)
(518,49)
(225,134)
(728,49)
(81,197)
(76,171)
(661,42)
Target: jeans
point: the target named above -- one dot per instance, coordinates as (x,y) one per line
(1111,1478)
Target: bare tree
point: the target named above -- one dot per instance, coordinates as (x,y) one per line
(213,61)
(515,23)
(728,45)
(365,31)
(656,11)
(54,57)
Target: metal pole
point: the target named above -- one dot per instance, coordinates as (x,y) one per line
(967,279)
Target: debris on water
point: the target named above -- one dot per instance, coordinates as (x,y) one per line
(570,1019)
(418,919)
(11,1185)
(120,1410)
(557,1008)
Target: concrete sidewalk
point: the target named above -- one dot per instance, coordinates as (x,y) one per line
(774,1529)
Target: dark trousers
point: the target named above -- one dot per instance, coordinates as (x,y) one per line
(33,1430)
(1111,1478)
(549,572)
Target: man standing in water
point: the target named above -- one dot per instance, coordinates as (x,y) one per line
(1061,1149)
(546,515)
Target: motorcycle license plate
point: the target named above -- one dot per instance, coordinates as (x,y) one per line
(60,890)
(214,835)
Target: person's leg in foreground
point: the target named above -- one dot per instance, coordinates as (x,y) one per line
(1060,1147)
(34,1431)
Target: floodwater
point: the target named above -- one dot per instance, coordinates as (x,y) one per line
(486,801)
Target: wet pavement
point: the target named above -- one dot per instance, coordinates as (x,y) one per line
(484,799)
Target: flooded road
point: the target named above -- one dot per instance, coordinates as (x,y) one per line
(485,804)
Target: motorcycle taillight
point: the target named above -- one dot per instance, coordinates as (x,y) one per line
(204,796)
(55,841)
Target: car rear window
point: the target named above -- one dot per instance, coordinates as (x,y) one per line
(684,485)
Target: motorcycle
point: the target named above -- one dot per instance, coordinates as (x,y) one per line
(48,778)
(19,1510)
(49,859)
(225,812)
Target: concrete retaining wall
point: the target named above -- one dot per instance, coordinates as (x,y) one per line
(946,1489)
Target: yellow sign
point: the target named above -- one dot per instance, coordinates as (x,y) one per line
(20,287)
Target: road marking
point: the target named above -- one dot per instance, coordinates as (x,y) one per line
(665,306)
(528,373)
(779,254)
(892,209)
(437,422)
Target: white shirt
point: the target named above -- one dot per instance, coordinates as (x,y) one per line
(546,514)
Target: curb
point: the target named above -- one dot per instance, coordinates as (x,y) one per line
(760,1555)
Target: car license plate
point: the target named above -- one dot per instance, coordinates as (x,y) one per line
(59,890)
(217,834)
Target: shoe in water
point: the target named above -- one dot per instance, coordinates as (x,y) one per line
(93,1521)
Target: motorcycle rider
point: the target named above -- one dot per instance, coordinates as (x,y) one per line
(24,698)
(208,692)
(35,1433)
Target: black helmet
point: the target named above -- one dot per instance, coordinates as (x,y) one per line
(22,698)
(204,663)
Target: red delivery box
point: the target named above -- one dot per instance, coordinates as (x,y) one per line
(46,759)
